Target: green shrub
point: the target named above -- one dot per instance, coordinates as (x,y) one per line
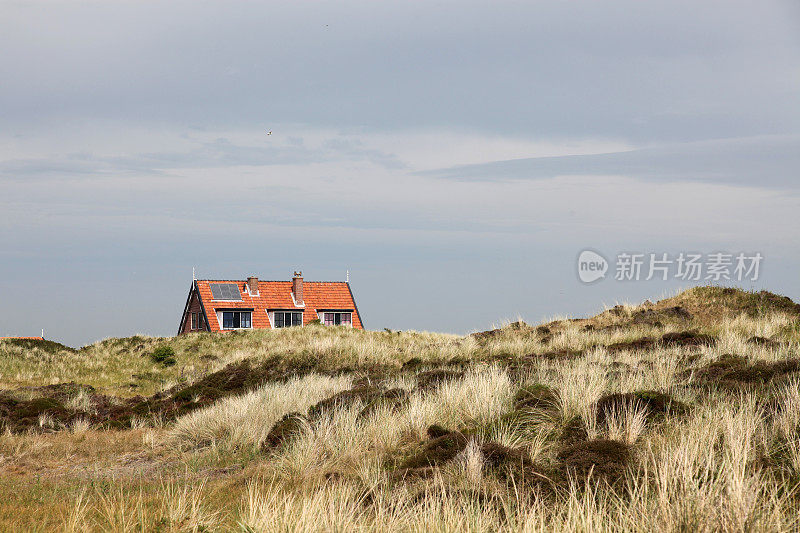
(164,355)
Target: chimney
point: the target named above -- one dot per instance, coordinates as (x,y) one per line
(252,285)
(297,288)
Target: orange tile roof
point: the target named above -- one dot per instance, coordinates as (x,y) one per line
(277,295)
(24,338)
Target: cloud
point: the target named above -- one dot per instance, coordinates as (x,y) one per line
(671,70)
(760,161)
(217,153)
(447,141)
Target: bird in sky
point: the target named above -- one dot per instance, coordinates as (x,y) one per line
(269,132)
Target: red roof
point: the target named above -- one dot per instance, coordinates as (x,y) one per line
(24,338)
(277,295)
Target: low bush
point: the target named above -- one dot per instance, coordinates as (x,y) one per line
(164,355)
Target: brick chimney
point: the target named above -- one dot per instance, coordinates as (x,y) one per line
(297,288)
(252,285)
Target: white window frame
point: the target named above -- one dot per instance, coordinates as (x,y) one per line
(220,312)
(322,318)
(272,316)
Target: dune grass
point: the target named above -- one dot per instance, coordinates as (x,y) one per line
(124,367)
(723,455)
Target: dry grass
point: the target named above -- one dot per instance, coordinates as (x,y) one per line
(246,420)
(123,366)
(729,462)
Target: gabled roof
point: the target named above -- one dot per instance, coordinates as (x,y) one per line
(277,295)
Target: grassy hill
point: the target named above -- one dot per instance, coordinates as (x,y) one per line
(683,414)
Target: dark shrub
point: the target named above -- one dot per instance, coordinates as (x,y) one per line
(284,430)
(164,355)
(535,396)
(655,404)
(437,451)
(601,457)
(734,370)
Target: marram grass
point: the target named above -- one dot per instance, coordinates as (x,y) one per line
(728,460)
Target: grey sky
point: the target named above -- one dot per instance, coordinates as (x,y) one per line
(455,156)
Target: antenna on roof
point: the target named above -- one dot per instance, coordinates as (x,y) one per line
(43,333)
(194,278)
(348,276)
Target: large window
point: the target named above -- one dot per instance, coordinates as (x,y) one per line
(236,319)
(337,318)
(285,319)
(194,321)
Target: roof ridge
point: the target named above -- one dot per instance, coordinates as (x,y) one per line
(267,281)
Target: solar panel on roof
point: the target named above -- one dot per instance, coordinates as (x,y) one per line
(225,291)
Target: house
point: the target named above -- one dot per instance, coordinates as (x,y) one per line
(222,305)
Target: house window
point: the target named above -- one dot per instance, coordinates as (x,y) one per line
(194,321)
(337,319)
(201,320)
(236,319)
(285,319)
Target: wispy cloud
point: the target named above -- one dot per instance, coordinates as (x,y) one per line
(219,153)
(445,141)
(771,161)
